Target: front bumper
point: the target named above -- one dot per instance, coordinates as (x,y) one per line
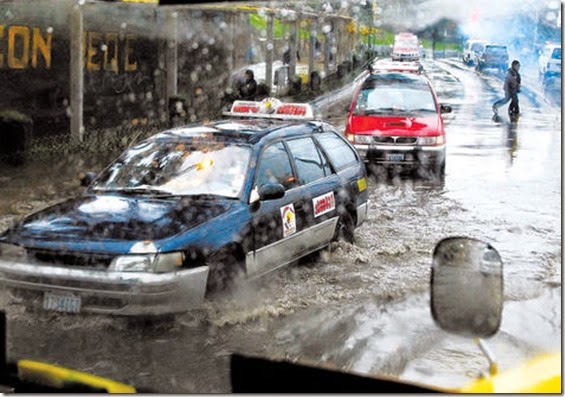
(407,157)
(99,291)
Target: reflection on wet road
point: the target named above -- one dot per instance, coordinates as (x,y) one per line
(362,307)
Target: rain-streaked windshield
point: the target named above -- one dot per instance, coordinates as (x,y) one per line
(391,95)
(178,169)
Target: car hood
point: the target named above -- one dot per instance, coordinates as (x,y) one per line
(429,125)
(116,218)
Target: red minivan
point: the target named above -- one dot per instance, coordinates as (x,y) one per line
(395,121)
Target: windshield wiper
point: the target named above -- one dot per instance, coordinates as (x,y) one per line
(425,110)
(367,112)
(198,196)
(143,190)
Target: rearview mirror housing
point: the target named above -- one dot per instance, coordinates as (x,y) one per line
(271,191)
(467,287)
(445,109)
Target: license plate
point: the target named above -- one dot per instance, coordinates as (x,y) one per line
(394,157)
(61,302)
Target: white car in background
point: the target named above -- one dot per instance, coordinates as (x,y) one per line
(549,61)
(472,50)
(406,47)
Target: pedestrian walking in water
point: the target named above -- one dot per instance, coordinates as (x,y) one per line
(511,89)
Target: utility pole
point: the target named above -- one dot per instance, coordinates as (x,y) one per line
(270,51)
(171,54)
(77,72)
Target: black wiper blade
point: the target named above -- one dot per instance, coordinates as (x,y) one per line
(425,110)
(208,196)
(367,112)
(142,190)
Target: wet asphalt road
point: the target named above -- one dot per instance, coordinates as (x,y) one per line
(361,307)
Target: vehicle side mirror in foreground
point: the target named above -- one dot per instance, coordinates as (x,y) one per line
(445,109)
(467,287)
(86,178)
(271,191)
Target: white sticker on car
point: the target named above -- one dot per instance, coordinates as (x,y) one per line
(288,220)
(323,204)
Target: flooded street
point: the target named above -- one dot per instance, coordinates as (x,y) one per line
(362,307)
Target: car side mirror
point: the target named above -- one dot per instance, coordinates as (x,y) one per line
(445,109)
(467,287)
(86,178)
(271,191)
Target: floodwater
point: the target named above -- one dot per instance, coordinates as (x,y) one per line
(362,307)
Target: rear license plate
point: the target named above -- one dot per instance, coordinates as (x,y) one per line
(61,302)
(394,157)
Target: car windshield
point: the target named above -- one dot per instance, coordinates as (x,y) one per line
(394,95)
(178,169)
(556,53)
(477,47)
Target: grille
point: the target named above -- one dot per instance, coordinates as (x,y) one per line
(72,259)
(395,140)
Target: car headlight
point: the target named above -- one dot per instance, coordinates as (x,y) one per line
(430,140)
(154,263)
(363,139)
(12,251)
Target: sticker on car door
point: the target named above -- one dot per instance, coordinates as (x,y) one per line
(288,216)
(323,204)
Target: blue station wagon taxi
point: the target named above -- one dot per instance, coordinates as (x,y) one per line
(187,212)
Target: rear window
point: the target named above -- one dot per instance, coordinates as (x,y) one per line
(499,50)
(340,153)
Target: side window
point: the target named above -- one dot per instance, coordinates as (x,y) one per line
(340,153)
(274,167)
(308,159)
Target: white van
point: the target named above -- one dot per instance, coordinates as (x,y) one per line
(473,49)
(549,61)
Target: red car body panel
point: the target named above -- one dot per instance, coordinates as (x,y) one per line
(396,125)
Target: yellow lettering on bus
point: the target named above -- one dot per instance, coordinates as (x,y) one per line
(43,45)
(94,38)
(111,57)
(129,67)
(15,61)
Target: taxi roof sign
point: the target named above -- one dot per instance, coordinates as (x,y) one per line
(271,108)
(397,66)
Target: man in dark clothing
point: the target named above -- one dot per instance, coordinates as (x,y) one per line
(248,89)
(286,56)
(511,89)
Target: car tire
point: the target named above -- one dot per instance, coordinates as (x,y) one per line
(439,172)
(225,268)
(345,228)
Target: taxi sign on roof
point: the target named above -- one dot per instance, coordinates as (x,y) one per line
(397,66)
(271,108)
